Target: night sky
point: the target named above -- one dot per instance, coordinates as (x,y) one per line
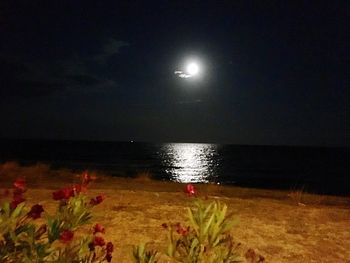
(272,72)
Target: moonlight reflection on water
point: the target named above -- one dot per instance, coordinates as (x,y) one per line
(190,162)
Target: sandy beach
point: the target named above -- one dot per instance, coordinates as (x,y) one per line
(194,129)
(282,226)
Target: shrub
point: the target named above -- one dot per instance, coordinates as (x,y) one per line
(22,239)
(206,239)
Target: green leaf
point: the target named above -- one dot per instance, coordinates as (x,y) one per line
(207,225)
(6,209)
(54,229)
(193,221)
(17,211)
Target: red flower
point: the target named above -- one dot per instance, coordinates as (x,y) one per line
(20,184)
(99,229)
(17,198)
(181,230)
(99,241)
(19,188)
(17,191)
(66,236)
(35,211)
(109,248)
(97,200)
(78,188)
(190,189)
(64,193)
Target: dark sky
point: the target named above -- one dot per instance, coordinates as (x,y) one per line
(273,72)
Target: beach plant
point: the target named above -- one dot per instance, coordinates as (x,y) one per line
(56,237)
(206,238)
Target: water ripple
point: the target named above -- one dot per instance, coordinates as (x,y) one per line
(190,162)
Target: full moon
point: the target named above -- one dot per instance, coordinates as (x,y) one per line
(192,68)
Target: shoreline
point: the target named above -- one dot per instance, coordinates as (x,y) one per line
(43,176)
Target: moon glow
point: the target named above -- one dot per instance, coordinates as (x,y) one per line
(192,68)
(189,70)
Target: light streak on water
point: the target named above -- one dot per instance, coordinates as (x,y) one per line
(190,162)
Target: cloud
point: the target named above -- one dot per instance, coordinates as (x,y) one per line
(181,74)
(19,79)
(24,78)
(35,80)
(110,48)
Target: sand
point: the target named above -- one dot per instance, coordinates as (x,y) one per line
(282,226)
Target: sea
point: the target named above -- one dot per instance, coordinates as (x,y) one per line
(321,170)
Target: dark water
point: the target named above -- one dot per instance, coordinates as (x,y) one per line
(318,170)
